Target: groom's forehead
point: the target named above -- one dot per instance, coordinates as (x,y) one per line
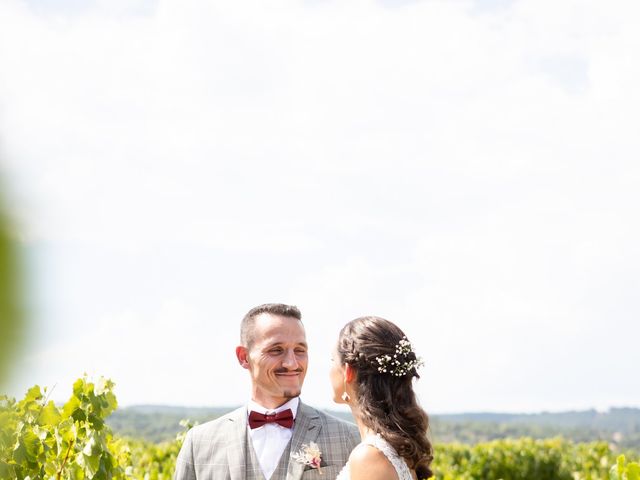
(289,331)
(281,336)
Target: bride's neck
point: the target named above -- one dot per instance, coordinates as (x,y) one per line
(364,430)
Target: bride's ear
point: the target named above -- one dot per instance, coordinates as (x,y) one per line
(349,373)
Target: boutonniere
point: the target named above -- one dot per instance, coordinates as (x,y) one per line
(309,455)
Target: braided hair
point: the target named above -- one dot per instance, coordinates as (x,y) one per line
(384,395)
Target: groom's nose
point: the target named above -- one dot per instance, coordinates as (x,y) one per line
(290,361)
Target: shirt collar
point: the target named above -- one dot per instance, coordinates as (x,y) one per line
(292,404)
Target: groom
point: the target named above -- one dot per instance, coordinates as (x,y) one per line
(258,441)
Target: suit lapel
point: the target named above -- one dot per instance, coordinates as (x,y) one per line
(306,429)
(237,446)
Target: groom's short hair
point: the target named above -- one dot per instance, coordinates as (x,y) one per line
(246,327)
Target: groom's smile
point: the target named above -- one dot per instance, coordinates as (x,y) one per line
(276,359)
(292,377)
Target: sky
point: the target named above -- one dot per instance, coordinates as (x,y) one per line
(466,168)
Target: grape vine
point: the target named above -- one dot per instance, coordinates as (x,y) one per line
(43,441)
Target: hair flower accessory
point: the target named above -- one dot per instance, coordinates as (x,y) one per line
(398,365)
(309,455)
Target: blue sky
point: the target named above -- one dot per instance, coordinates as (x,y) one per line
(466,169)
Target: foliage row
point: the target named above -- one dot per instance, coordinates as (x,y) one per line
(39,440)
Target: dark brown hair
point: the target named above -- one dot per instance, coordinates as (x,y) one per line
(246,326)
(387,404)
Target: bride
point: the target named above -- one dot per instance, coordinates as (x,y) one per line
(372,372)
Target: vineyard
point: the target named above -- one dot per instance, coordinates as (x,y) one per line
(40,440)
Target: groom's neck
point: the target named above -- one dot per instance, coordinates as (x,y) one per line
(271,404)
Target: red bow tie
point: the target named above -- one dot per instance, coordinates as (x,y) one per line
(284,418)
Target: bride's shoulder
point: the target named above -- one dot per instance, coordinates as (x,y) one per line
(368,462)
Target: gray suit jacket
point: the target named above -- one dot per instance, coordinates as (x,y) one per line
(222,449)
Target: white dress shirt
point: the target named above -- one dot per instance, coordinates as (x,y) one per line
(270,440)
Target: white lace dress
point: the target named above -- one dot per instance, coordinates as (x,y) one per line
(381,444)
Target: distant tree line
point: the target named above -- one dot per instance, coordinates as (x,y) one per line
(619,427)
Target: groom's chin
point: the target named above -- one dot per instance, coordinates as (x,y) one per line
(291,393)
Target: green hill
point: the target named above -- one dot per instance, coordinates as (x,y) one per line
(617,426)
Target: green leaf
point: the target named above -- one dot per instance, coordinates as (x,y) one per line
(32,444)
(40,432)
(633,471)
(613,473)
(103,385)
(51,469)
(79,387)
(79,415)
(49,415)
(67,431)
(6,470)
(111,403)
(33,394)
(96,421)
(71,406)
(28,446)
(90,463)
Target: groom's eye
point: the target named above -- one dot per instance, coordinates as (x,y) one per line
(275,351)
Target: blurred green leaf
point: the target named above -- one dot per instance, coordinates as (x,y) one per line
(71,406)
(11,310)
(49,415)
(31,444)
(34,394)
